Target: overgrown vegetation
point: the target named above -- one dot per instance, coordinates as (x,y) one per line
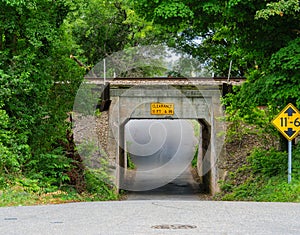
(38,84)
(258,168)
(266,179)
(46,47)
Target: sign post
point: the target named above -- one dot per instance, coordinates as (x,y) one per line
(290,162)
(288,123)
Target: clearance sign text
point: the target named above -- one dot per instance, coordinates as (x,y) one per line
(162,109)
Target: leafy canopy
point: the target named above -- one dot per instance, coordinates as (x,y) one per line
(260,37)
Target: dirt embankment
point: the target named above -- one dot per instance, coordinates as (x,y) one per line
(239,146)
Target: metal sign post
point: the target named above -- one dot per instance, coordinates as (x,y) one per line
(288,123)
(290,162)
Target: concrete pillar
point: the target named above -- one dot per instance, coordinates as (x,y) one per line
(217,140)
(213,158)
(113,142)
(206,155)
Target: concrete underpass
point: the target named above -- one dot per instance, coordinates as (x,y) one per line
(159,140)
(190,103)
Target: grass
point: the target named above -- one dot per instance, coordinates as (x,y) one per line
(266,178)
(18,196)
(25,191)
(262,189)
(130,163)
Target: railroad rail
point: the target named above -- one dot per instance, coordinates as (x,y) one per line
(223,79)
(167,81)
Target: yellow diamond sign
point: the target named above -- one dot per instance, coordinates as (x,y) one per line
(288,122)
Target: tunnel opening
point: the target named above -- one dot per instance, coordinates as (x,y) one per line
(149,145)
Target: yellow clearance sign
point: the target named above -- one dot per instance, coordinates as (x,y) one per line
(162,109)
(288,122)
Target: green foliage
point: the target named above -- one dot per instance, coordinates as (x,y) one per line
(268,178)
(221,33)
(195,158)
(284,75)
(274,189)
(49,169)
(101,28)
(226,187)
(130,163)
(99,184)
(34,53)
(250,115)
(29,185)
(196,127)
(245,119)
(268,162)
(18,195)
(10,159)
(173,9)
(278,190)
(281,8)
(98,181)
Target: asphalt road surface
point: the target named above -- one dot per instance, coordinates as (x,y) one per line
(153,217)
(182,188)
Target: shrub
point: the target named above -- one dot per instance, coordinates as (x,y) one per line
(268,162)
(99,183)
(49,169)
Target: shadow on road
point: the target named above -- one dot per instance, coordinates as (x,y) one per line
(184,187)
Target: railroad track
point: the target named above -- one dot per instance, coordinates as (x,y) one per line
(236,79)
(167,80)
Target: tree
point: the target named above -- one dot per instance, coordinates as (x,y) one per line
(101,28)
(31,44)
(260,37)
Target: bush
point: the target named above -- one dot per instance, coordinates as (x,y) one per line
(276,189)
(268,178)
(12,152)
(99,183)
(268,162)
(49,169)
